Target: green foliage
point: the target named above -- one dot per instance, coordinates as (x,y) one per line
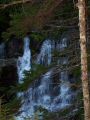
(6,111)
(5,1)
(56,53)
(30,77)
(37,37)
(80,113)
(77,72)
(22,20)
(9,108)
(24,17)
(13,106)
(67,11)
(56,33)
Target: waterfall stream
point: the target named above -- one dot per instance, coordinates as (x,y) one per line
(45,54)
(24,62)
(41,95)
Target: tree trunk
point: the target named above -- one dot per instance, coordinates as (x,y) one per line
(84,68)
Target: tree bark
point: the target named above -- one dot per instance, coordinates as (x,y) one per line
(84,68)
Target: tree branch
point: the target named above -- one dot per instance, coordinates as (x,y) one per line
(3,6)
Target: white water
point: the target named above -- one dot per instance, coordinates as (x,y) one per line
(41,95)
(24,62)
(45,54)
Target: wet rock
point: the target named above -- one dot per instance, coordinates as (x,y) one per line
(71,78)
(14,47)
(56,91)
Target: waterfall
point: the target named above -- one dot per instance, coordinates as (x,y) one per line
(41,94)
(45,54)
(64,95)
(62,44)
(64,87)
(23,63)
(43,91)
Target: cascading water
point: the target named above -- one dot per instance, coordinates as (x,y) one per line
(41,95)
(45,54)
(23,63)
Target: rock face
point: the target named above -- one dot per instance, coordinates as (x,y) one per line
(8,78)
(8,69)
(14,47)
